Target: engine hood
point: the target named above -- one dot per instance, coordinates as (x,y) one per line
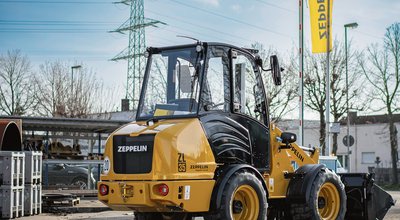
(167,149)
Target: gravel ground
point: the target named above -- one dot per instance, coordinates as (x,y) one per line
(393,214)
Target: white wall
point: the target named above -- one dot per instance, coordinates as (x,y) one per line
(371,139)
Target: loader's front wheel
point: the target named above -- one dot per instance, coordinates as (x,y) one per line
(327,199)
(244,198)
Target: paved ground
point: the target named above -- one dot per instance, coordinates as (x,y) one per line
(393,214)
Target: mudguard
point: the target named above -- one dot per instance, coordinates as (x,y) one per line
(300,184)
(222,176)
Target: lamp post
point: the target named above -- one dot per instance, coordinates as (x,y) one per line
(72,77)
(351,26)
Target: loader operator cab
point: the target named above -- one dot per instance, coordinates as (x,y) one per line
(189,80)
(221,85)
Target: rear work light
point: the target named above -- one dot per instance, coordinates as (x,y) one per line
(163,189)
(103,189)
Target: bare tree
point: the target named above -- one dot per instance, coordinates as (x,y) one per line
(380,65)
(56,96)
(106,101)
(53,92)
(16,89)
(279,97)
(315,86)
(339,89)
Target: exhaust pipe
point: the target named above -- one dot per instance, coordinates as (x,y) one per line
(365,199)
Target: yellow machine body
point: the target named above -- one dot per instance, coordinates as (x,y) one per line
(182,159)
(283,161)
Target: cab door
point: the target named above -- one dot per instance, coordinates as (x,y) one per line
(232,109)
(249,105)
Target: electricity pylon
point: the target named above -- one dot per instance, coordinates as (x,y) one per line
(134,53)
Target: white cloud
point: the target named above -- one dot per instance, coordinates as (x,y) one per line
(236,7)
(214,3)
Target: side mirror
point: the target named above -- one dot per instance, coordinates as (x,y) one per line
(276,70)
(288,137)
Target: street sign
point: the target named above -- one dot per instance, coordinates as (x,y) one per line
(351,140)
(335,128)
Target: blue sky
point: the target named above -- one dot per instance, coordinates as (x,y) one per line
(77,30)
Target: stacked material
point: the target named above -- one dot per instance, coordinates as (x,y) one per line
(12,167)
(33,180)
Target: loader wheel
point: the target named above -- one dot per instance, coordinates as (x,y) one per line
(327,199)
(147,216)
(162,216)
(176,216)
(244,198)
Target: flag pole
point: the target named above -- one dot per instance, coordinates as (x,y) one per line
(327,87)
(301,77)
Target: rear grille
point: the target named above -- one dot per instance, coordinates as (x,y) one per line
(133,155)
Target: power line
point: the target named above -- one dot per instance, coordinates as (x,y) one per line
(200,26)
(55,2)
(59,22)
(276,6)
(232,19)
(46,30)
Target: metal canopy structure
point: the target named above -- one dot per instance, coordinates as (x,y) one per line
(68,124)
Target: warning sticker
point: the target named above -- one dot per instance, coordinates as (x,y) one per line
(187,192)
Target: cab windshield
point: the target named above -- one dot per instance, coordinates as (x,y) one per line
(171,86)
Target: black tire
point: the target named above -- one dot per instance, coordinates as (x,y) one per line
(176,216)
(229,205)
(162,216)
(147,216)
(325,178)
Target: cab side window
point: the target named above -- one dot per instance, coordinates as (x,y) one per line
(216,92)
(248,96)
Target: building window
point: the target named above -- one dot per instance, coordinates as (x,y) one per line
(368,157)
(344,160)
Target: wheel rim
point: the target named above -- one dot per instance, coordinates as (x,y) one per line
(328,201)
(245,204)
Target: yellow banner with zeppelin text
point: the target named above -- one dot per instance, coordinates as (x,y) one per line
(320,11)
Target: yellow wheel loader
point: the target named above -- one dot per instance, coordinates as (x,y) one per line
(203,145)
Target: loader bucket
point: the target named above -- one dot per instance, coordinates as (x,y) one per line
(365,199)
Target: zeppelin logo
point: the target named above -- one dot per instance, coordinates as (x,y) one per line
(322,19)
(298,155)
(133,148)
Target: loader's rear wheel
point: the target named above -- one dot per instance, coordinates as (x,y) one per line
(244,198)
(327,199)
(147,216)
(163,216)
